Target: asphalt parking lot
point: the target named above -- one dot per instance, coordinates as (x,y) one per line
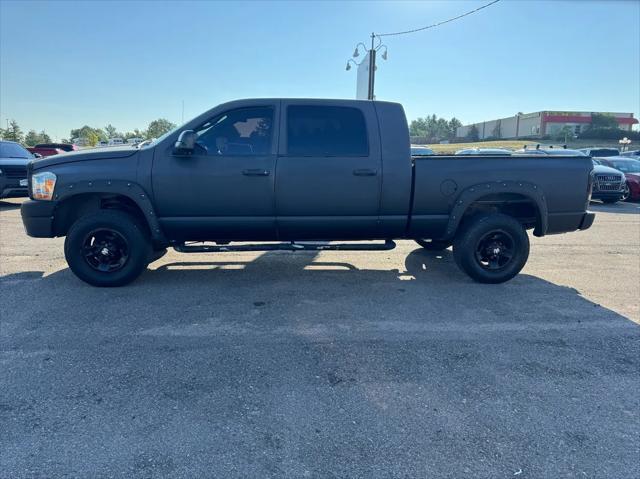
(387,364)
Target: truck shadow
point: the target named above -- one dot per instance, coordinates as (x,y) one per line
(276,285)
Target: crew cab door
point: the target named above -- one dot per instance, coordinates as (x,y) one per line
(329,171)
(225,189)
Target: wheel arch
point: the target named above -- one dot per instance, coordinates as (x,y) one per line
(523,200)
(81,198)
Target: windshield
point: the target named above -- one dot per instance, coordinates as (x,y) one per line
(626,166)
(605,152)
(13,150)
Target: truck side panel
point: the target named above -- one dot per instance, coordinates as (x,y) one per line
(440,180)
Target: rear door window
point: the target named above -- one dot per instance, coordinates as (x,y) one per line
(326,131)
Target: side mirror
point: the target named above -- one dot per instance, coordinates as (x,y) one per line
(37,155)
(186,143)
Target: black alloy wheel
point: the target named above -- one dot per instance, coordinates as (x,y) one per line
(495,250)
(105,250)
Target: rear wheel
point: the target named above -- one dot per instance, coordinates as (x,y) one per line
(433,245)
(107,248)
(491,248)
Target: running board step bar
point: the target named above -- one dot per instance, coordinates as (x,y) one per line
(293,246)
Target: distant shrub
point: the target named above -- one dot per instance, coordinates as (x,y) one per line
(608,134)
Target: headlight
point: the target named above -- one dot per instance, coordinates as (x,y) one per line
(42,185)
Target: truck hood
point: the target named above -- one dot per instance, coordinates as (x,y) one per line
(14,161)
(84,155)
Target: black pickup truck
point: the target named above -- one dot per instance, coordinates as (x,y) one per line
(294,171)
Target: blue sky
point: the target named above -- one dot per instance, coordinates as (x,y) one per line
(66,64)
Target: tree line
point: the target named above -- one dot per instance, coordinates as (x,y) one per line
(434,129)
(92,136)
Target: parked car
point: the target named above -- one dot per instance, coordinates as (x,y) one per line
(116,142)
(632,154)
(597,152)
(484,151)
(546,151)
(50,149)
(608,183)
(417,150)
(13,169)
(294,170)
(631,170)
(134,141)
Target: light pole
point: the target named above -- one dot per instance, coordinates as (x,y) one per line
(625,142)
(370,59)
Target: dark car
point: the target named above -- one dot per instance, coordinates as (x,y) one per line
(485,151)
(301,172)
(598,152)
(631,154)
(631,170)
(417,150)
(608,183)
(13,169)
(549,151)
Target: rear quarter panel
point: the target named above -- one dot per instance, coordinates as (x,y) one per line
(440,180)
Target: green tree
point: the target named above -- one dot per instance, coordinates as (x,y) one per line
(13,133)
(91,135)
(454,124)
(111,131)
(159,127)
(601,120)
(31,138)
(565,134)
(473,134)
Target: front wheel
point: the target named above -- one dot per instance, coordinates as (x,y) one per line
(107,248)
(491,248)
(433,245)
(626,193)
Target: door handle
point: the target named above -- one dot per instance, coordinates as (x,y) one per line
(365,172)
(255,172)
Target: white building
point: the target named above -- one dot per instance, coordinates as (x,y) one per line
(541,123)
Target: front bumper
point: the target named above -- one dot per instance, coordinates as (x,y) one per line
(37,218)
(606,195)
(10,188)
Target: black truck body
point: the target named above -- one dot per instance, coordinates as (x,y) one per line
(298,169)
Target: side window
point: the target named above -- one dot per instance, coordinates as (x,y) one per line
(326,131)
(242,132)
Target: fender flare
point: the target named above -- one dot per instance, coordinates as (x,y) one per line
(129,189)
(475,192)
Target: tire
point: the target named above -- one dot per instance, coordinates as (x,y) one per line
(609,201)
(433,245)
(107,248)
(480,236)
(626,195)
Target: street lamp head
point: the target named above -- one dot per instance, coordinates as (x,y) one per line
(356,53)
